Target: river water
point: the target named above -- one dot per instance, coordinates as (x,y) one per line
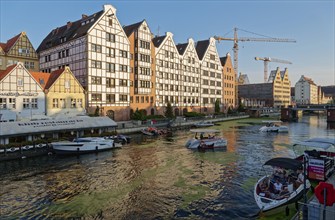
(153,178)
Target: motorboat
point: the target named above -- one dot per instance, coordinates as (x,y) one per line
(202,124)
(120,138)
(319,154)
(206,139)
(83,145)
(273,126)
(152,131)
(283,186)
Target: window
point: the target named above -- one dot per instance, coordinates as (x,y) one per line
(110,52)
(62,103)
(79,103)
(11,103)
(55,103)
(110,67)
(32,65)
(3,102)
(123,98)
(96,80)
(25,103)
(73,103)
(96,48)
(19,82)
(96,97)
(67,84)
(110,98)
(123,82)
(166,53)
(123,68)
(96,64)
(212,56)
(110,22)
(110,82)
(110,37)
(123,53)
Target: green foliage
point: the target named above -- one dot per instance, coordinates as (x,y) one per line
(217,106)
(138,115)
(230,110)
(153,117)
(97,111)
(193,114)
(169,111)
(241,107)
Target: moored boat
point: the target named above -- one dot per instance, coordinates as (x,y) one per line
(83,145)
(206,139)
(283,186)
(274,126)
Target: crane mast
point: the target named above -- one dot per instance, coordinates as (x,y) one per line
(266,64)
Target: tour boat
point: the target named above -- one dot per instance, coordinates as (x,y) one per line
(206,139)
(83,145)
(266,197)
(273,126)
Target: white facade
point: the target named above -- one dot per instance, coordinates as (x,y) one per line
(306,91)
(168,81)
(190,76)
(100,59)
(211,76)
(21,97)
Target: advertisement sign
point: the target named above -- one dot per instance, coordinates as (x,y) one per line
(316,169)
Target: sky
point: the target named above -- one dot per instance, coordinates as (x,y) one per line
(310,23)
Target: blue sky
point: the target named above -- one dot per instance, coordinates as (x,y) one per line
(310,23)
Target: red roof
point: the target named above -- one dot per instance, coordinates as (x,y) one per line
(6,46)
(46,80)
(3,73)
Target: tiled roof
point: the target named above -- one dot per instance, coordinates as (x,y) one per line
(309,80)
(6,46)
(75,30)
(131,28)
(201,48)
(46,80)
(3,73)
(223,60)
(181,48)
(157,41)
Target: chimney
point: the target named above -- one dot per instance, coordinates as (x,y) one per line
(83,16)
(68,24)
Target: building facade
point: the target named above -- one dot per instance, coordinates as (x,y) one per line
(96,49)
(18,49)
(21,96)
(228,83)
(306,91)
(281,88)
(65,97)
(142,65)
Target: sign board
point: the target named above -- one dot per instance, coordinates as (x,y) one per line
(316,169)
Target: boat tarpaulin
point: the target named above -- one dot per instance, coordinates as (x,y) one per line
(286,163)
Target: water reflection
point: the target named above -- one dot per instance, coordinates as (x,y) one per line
(151,178)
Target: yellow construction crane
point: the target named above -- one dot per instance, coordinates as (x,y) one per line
(266,62)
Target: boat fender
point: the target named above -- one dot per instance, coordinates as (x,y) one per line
(330,193)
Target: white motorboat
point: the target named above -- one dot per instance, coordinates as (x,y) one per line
(265,193)
(83,145)
(273,126)
(206,139)
(202,124)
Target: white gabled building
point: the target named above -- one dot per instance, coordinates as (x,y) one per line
(96,49)
(168,86)
(306,91)
(21,96)
(190,76)
(211,75)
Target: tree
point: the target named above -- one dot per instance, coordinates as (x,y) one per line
(217,106)
(97,111)
(240,107)
(169,111)
(137,115)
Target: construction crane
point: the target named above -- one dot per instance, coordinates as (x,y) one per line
(266,63)
(246,39)
(236,39)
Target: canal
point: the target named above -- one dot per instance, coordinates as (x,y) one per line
(152,178)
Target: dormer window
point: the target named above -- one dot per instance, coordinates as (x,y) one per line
(67,84)
(20,82)
(62,39)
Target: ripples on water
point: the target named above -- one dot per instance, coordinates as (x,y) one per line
(154,178)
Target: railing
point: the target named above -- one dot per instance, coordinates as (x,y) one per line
(314,211)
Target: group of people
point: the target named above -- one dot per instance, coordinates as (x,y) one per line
(281,184)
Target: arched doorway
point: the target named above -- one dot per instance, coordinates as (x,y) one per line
(152,111)
(110,114)
(184,110)
(176,111)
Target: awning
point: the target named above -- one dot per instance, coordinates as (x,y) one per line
(286,163)
(55,125)
(322,143)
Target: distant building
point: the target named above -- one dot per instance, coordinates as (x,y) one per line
(243,79)
(328,94)
(65,97)
(142,64)
(21,96)
(228,83)
(275,93)
(96,49)
(18,49)
(306,91)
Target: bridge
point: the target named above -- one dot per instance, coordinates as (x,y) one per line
(291,113)
(313,107)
